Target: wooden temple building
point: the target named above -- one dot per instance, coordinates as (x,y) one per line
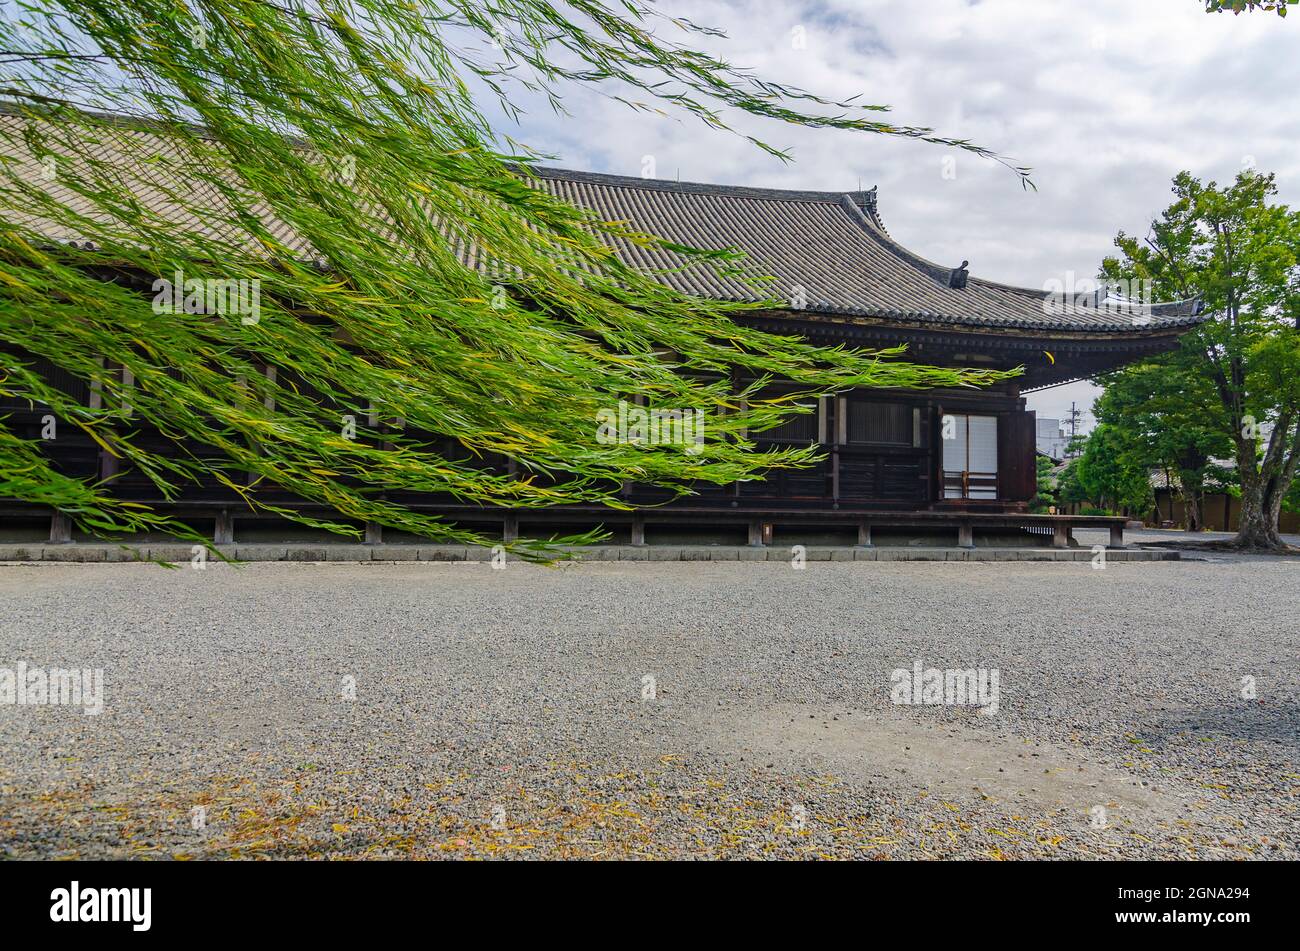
(888,467)
(888,464)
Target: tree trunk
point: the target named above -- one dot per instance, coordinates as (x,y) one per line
(1191,479)
(1261,506)
(1193,520)
(1262,490)
(1255,528)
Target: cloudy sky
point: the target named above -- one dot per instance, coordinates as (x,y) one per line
(1105,99)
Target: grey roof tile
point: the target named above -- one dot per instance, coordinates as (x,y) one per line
(834,245)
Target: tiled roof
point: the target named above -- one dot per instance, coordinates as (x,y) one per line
(832,247)
(828,251)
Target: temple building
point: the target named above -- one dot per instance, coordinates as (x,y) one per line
(958,462)
(901,462)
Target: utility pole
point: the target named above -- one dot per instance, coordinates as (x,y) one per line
(1074,425)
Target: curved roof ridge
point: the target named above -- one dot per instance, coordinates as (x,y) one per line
(930,269)
(870,206)
(692,188)
(940,273)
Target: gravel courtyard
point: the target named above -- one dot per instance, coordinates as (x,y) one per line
(737,710)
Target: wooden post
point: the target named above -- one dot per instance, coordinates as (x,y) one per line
(374,533)
(756,533)
(510,531)
(223,532)
(1117,536)
(864,535)
(1061,535)
(638,531)
(109,464)
(60,529)
(965,536)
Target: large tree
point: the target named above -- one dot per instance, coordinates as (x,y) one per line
(423,279)
(1240,252)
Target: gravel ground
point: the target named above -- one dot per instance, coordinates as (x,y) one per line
(506,712)
(1176,538)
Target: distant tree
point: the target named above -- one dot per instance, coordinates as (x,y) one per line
(1045,496)
(1107,473)
(1240,253)
(1168,416)
(1068,488)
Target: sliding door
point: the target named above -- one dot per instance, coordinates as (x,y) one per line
(970,456)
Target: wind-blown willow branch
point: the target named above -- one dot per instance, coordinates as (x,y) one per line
(408,269)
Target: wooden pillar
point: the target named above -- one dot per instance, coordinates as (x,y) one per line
(510,530)
(223,532)
(1117,536)
(128,384)
(638,531)
(60,529)
(374,533)
(1061,535)
(965,536)
(864,535)
(756,533)
(109,464)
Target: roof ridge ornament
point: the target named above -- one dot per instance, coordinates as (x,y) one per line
(958,275)
(871,205)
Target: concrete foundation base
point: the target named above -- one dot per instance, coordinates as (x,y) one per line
(76,552)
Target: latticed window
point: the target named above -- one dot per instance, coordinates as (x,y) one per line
(880,424)
(796,430)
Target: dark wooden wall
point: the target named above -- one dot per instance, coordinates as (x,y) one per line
(882,450)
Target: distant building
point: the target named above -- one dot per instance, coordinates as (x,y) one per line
(1051,439)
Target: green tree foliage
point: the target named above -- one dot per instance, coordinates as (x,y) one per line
(361,124)
(1107,473)
(1167,416)
(1045,495)
(1068,487)
(1240,252)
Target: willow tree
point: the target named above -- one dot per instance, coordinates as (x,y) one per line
(337,157)
(1248,6)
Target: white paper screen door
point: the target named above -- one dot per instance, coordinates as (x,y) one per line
(970,457)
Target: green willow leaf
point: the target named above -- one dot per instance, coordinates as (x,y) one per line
(424,309)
